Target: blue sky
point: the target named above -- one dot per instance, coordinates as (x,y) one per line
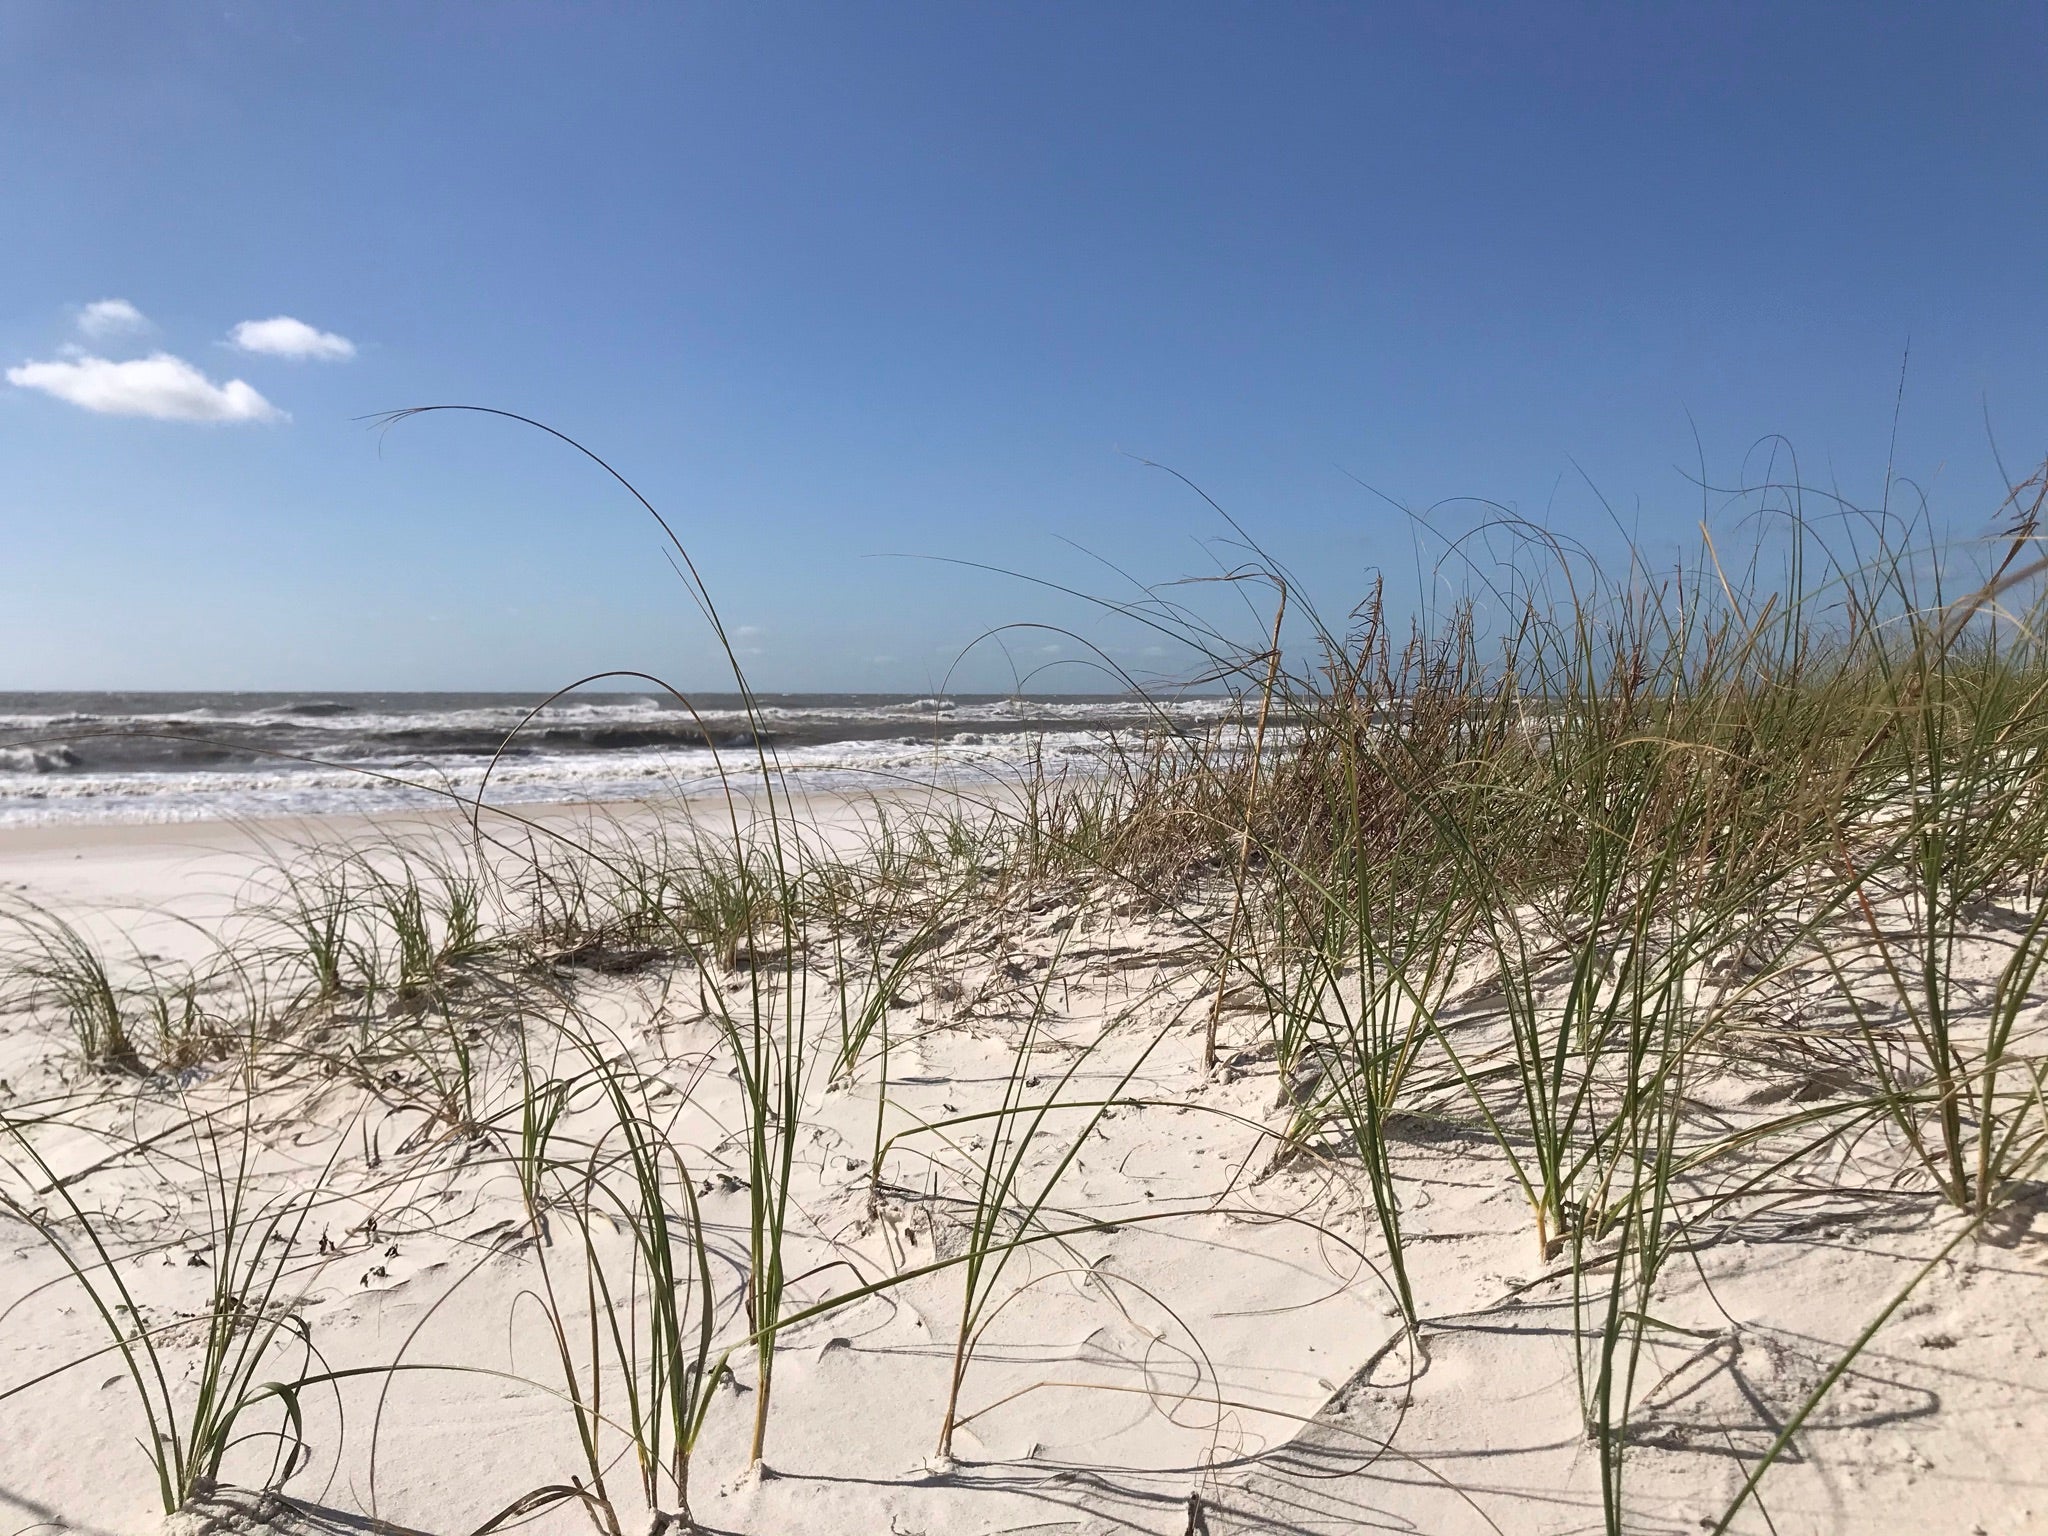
(839,282)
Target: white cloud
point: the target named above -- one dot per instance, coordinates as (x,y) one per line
(111,317)
(160,385)
(282,336)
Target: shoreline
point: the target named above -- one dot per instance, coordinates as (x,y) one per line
(272,756)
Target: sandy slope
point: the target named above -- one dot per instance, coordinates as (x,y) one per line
(1232,1342)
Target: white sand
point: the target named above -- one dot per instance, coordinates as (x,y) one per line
(1236,1345)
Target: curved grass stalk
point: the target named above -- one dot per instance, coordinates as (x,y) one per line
(998,1200)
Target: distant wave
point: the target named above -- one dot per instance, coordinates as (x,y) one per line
(312,708)
(85,758)
(37,759)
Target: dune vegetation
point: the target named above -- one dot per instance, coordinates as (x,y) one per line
(1662,916)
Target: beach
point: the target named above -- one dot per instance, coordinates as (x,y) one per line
(1198,1329)
(1083,770)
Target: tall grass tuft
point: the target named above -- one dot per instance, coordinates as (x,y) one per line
(194,1417)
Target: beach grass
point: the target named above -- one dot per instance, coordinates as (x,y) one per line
(1531,866)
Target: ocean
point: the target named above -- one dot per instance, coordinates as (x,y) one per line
(111,757)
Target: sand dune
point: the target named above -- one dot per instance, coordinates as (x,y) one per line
(1210,1341)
